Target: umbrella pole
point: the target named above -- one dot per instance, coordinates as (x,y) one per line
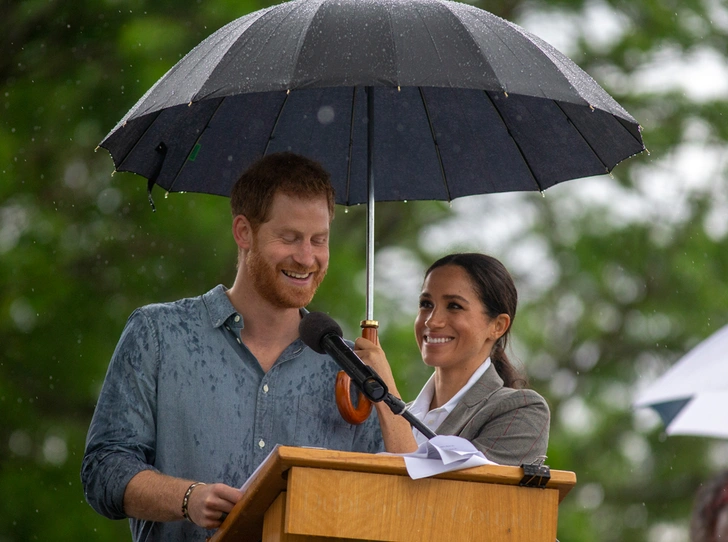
(370,204)
(350,413)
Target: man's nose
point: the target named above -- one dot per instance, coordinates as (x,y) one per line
(305,254)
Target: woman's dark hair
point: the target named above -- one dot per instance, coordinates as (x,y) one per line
(711,501)
(496,290)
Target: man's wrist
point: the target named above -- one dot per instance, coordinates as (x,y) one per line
(186,500)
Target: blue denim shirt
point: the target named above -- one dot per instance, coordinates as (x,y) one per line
(185,397)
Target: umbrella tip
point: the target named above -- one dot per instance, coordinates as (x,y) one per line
(189,104)
(113,172)
(97,148)
(505,93)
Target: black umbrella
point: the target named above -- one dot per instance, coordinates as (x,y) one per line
(433,99)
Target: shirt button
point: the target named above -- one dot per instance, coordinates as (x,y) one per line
(261,443)
(237,318)
(265,388)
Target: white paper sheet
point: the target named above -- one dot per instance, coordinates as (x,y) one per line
(443,453)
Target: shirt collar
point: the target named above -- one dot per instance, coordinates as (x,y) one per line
(220,309)
(421,405)
(218,305)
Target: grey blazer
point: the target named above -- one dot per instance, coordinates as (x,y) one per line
(510,426)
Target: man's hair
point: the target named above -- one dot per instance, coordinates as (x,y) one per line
(284,172)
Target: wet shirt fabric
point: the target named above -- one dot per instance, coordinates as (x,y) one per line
(185,397)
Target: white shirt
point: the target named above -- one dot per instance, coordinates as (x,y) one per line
(433,418)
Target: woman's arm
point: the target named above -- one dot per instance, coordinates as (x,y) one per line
(396,431)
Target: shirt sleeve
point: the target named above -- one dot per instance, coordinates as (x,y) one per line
(121,438)
(517,432)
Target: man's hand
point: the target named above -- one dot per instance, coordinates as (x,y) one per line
(210,504)
(157,497)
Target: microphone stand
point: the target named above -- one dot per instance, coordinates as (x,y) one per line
(374,389)
(366,379)
(398,407)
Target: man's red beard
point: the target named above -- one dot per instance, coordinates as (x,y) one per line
(268,281)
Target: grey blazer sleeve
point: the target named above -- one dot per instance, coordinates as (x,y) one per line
(510,426)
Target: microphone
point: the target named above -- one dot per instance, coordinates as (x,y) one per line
(323,335)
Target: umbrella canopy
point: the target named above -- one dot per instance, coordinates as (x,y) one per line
(692,396)
(433,99)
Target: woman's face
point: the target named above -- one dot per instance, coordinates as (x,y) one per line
(452,328)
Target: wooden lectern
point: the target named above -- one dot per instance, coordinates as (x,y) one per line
(314,495)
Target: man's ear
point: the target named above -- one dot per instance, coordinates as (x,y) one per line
(242,232)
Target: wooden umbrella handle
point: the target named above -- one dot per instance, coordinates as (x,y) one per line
(355,415)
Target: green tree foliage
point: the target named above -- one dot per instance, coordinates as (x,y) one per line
(619,276)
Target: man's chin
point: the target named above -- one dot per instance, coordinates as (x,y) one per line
(293,298)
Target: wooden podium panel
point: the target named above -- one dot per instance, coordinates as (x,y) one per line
(311,495)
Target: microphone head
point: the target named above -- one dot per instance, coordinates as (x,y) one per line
(314,327)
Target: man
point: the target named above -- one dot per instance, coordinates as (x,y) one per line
(199,391)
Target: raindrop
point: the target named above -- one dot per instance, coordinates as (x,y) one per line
(20,443)
(55,450)
(109,200)
(326,114)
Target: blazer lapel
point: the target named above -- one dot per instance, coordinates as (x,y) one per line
(474,400)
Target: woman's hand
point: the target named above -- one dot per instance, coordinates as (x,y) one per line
(373,355)
(396,431)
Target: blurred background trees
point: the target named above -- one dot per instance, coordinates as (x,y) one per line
(618,275)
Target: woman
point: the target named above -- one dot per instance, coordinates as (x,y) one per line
(467,305)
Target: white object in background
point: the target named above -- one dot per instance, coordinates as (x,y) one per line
(692,396)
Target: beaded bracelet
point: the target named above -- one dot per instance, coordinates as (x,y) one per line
(186,500)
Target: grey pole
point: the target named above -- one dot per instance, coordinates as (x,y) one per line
(370,203)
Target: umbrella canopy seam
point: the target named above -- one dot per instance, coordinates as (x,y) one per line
(118,167)
(584,139)
(272,134)
(350,155)
(437,146)
(515,141)
(197,140)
